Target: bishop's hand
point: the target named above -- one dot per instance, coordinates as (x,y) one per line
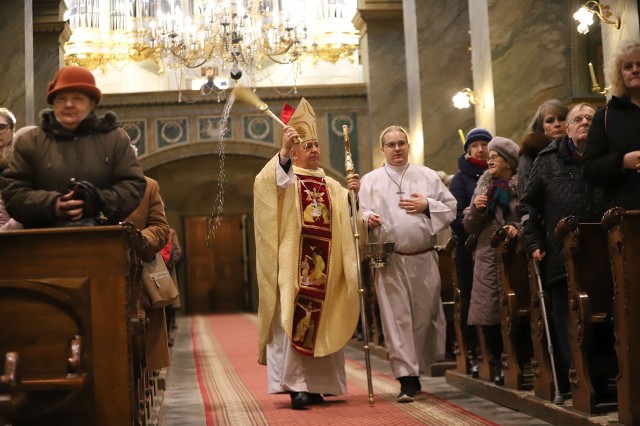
(353,182)
(289,138)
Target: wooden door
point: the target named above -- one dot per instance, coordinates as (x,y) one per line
(216,275)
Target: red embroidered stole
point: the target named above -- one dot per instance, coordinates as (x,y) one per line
(315,251)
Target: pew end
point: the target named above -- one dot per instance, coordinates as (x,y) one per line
(623,237)
(590,282)
(515,308)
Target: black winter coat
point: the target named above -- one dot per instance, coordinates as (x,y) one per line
(462,186)
(606,146)
(45,159)
(555,190)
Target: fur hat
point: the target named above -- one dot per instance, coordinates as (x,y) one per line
(507,149)
(73,78)
(477,134)
(533,143)
(304,121)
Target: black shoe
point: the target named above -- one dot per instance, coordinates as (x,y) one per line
(403,397)
(416,384)
(409,386)
(299,400)
(499,378)
(315,398)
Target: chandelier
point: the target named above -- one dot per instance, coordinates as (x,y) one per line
(201,38)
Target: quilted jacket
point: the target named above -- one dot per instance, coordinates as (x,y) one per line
(555,190)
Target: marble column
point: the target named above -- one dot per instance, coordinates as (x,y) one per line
(12,49)
(50,33)
(485,110)
(444,69)
(627,12)
(383,60)
(35,55)
(530,60)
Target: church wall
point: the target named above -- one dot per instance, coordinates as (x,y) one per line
(12,50)
(531,57)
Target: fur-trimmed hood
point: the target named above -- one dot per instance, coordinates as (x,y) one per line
(533,143)
(485,181)
(91,124)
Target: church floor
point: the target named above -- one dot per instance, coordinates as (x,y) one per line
(183,403)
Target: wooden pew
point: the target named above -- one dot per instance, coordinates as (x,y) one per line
(515,308)
(447,268)
(69,309)
(590,291)
(460,349)
(624,245)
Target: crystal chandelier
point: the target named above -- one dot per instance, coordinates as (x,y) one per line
(186,33)
(211,39)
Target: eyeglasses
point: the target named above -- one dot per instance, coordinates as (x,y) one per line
(393,145)
(578,119)
(4,127)
(493,158)
(308,146)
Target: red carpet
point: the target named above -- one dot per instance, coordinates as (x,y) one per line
(234,387)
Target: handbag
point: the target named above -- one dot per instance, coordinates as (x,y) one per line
(160,290)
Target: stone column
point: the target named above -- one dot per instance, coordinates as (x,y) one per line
(481,64)
(383,59)
(50,33)
(627,12)
(12,77)
(35,55)
(530,60)
(444,69)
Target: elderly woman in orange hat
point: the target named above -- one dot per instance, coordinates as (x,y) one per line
(75,168)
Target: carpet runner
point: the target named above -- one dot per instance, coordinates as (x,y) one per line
(234,387)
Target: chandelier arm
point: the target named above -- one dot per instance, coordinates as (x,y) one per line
(602,12)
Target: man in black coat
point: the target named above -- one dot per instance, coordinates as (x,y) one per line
(555,190)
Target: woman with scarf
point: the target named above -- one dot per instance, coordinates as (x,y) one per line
(75,167)
(471,165)
(493,206)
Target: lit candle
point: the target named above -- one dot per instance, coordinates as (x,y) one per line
(461,136)
(594,82)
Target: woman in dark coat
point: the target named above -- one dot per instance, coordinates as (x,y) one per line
(547,124)
(612,152)
(471,165)
(72,145)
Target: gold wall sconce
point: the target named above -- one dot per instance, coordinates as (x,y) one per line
(464,98)
(595,87)
(584,16)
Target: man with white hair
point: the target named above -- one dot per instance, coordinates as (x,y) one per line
(556,189)
(306,266)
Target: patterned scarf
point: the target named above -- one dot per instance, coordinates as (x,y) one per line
(499,195)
